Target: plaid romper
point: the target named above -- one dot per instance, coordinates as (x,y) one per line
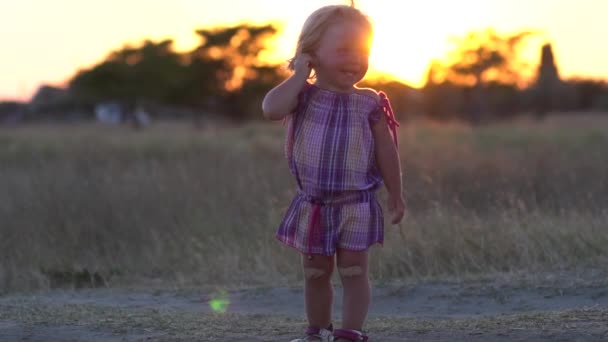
(330,150)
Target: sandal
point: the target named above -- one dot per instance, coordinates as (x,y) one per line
(317,334)
(351,335)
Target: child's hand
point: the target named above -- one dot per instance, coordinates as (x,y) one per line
(396,207)
(303,64)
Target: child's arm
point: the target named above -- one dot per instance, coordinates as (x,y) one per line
(390,168)
(283,99)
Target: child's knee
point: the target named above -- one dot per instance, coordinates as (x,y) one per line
(352,264)
(311,273)
(351,271)
(318,267)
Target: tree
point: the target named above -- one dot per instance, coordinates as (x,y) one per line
(547,85)
(151,72)
(221,74)
(237,48)
(590,94)
(478,59)
(486,56)
(228,58)
(442,98)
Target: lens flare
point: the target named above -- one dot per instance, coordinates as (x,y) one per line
(219,302)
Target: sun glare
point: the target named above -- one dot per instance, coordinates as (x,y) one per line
(404,44)
(399,50)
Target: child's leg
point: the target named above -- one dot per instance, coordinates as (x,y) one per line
(318,291)
(353,269)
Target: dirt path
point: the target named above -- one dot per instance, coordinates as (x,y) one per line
(558,310)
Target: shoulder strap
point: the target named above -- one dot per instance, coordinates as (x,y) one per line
(387,109)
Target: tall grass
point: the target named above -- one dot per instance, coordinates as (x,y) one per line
(89,205)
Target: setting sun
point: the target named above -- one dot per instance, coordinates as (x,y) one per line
(400,50)
(403,45)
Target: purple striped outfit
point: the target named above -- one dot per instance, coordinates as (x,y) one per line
(330,150)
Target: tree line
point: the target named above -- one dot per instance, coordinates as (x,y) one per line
(482,78)
(222,74)
(486,79)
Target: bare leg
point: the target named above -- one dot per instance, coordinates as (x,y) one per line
(318,291)
(353,269)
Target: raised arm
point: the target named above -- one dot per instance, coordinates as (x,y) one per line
(283,99)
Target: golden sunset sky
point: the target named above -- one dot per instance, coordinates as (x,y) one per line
(48,41)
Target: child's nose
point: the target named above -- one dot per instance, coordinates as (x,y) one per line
(355,58)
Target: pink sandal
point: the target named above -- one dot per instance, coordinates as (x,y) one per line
(351,335)
(317,334)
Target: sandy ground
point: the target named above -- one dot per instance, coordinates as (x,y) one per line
(566,308)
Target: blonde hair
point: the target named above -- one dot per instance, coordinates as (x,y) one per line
(318,22)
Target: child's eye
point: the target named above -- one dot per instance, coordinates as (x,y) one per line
(347,50)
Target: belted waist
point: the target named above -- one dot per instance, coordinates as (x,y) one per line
(347,197)
(314,222)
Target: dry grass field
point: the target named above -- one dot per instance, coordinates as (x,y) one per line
(175,207)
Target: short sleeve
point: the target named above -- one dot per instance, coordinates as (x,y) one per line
(375,115)
(385,109)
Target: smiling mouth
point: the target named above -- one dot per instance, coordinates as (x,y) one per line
(350,73)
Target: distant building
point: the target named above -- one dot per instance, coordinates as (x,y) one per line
(116,113)
(109,112)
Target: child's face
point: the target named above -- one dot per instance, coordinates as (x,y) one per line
(342,55)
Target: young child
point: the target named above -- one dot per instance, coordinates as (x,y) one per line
(340,149)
